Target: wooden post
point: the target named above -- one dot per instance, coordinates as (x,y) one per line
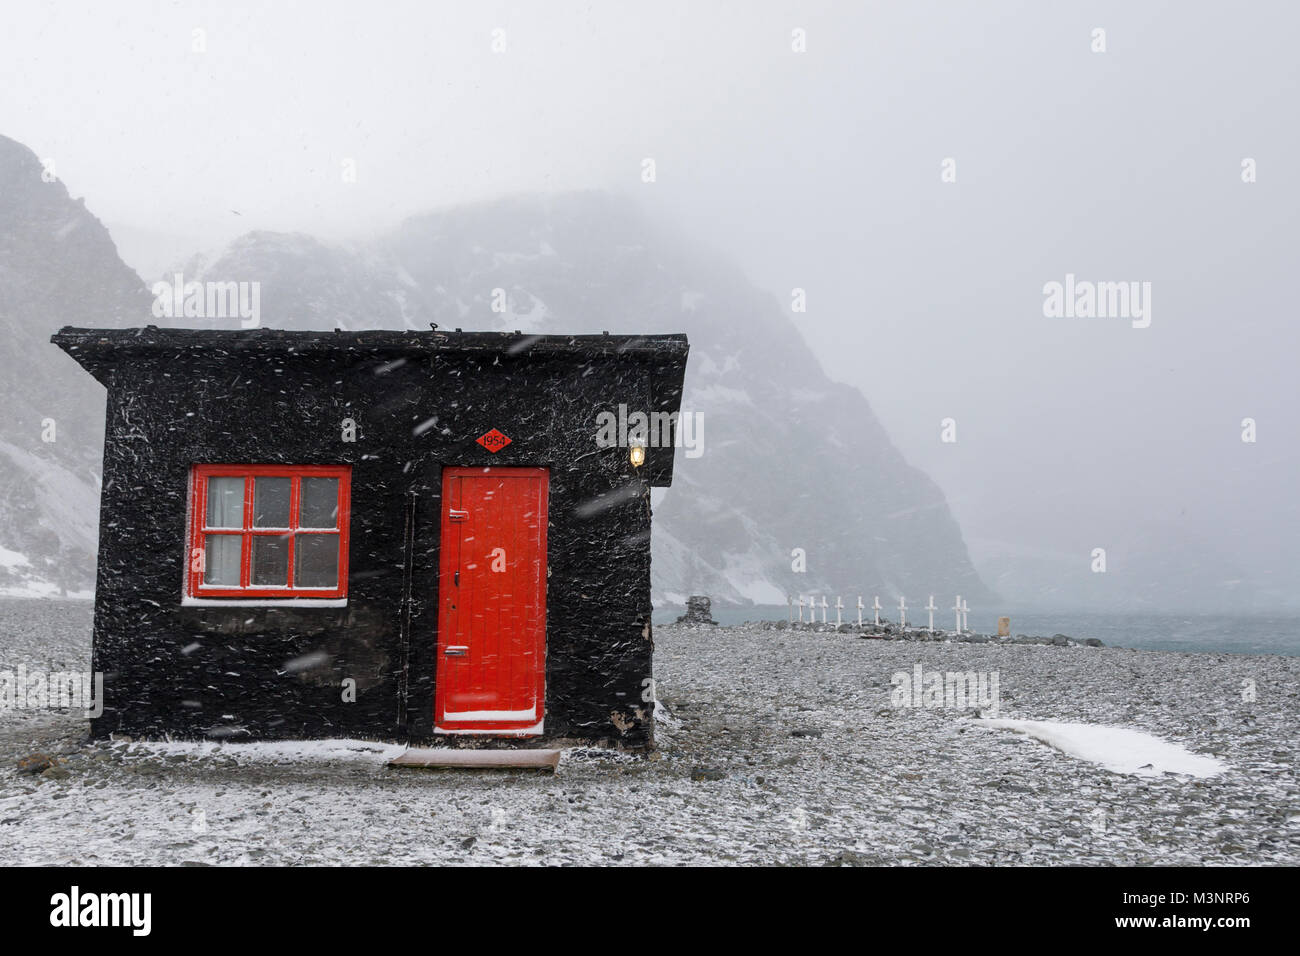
(902,612)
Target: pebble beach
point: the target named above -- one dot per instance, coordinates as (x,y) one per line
(774,746)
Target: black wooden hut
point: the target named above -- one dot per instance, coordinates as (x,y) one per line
(388,535)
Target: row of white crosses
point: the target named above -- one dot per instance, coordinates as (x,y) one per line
(960,607)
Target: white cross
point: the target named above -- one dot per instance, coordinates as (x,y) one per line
(965,616)
(902,612)
(859,610)
(839,606)
(931,608)
(823,608)
(957,607)
(800,608)
(789,609)
(876,607)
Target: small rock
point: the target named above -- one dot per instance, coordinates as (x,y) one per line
(707,773)
(36,763)
(849,858)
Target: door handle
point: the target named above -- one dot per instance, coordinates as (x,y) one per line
(456,651)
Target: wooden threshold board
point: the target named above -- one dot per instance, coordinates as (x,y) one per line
(441,758)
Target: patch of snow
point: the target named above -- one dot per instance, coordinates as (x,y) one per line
(38,587)
(12,559)
(744,572)
(529,714)
(664,716)
(61,496)
(1118,749)
(277,750)
(535,729)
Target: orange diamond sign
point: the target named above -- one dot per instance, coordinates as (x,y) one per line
(493,441)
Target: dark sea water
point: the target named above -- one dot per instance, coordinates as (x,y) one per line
(1221,633)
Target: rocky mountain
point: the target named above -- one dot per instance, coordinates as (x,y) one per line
(58,266)
(789,470)
(789,461)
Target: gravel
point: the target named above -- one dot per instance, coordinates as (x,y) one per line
(774,747)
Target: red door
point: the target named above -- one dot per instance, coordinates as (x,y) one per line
(492,587)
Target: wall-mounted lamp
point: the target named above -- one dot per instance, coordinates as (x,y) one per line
(637,455)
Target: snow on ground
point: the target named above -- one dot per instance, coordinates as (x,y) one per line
(1116,748)
(786,749)
(274,751)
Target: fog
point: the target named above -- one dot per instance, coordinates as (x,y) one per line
(820,170)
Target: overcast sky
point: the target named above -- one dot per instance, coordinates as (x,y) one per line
(819,170)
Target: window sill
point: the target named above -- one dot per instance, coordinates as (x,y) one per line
(263,602)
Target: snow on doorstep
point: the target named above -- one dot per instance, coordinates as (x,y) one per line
(278,750)
(529,714)
(1118,749)
(536,728)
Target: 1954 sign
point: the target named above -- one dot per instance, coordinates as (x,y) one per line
(493,441)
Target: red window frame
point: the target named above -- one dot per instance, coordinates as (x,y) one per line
(198,530)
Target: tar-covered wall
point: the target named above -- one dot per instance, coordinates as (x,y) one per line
(243,672)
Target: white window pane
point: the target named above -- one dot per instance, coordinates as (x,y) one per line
(221,560)
(316,561)
(225,502)
(318,505)
(270,564)
(271,502)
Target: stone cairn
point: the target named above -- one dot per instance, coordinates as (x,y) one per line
(699,610)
